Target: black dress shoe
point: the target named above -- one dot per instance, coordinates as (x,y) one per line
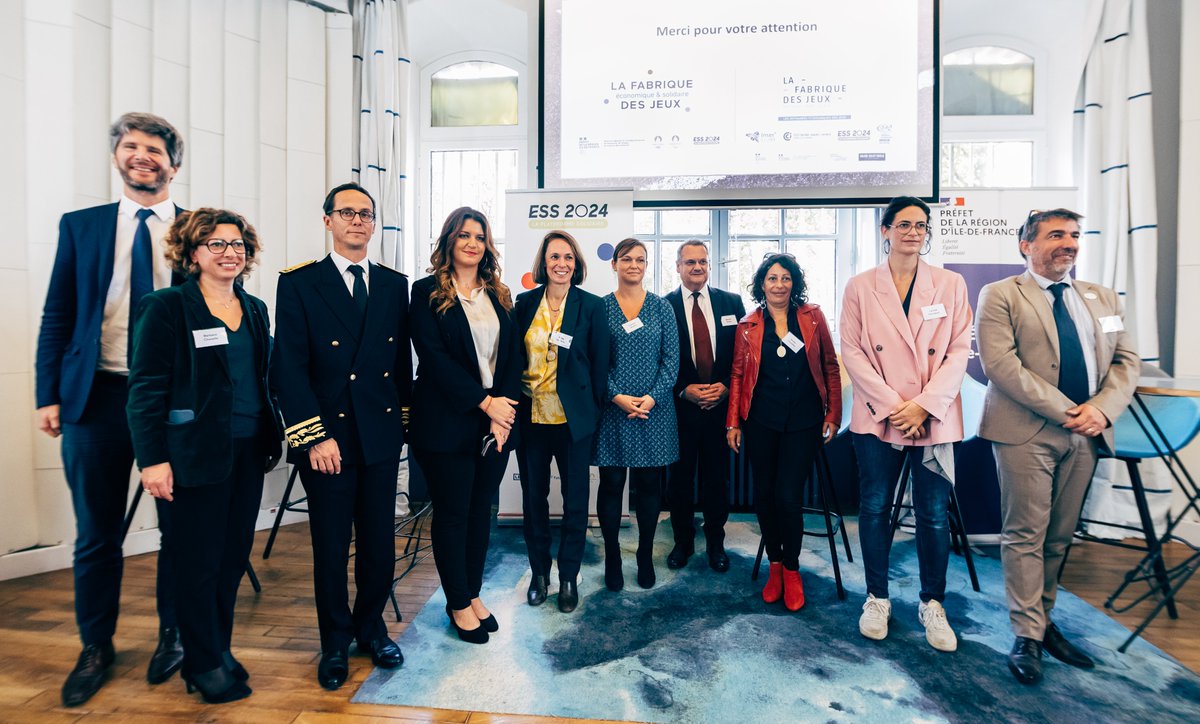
(645,569)
(614,579)
(217,686)
(167,658)
(1064,650)
(718,560)
(1025,660)
(88,675)
(234,666)
(333,669)
(678,557)
(568,595)
(384,653)
(538,586)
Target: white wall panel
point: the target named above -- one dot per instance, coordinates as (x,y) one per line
(241,116)
(242,17)
(15,325)
(55,514)
(306,43)
(171,37)
(181,193)
(49,125)
(169,99)
(93,62)
(12,40)
(56,12)
(18,529)
(99,11)
(206,65)
(1187,344)
(14,251)
(208,175)
(131,54)
(306,117)
(272,220)
(273,73)
(133,11)
(305,192)
(339,98)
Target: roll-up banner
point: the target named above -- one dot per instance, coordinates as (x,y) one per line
(597,219)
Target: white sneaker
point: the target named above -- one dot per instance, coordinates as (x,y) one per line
(873,622)
(937,629)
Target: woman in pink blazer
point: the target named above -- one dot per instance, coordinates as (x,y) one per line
(906,335)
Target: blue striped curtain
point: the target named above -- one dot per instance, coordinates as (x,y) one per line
(381,87)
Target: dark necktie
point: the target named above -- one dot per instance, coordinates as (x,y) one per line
(360,290)
(141,271)
(704,349)
(1072,370)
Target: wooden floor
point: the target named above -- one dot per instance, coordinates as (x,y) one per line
(276,639)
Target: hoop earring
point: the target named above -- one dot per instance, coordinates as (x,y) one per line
(887,246)
(928,246)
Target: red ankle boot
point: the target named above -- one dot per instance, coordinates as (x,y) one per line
(793,590)
(773,591)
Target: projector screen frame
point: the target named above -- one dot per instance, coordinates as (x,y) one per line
(749,197)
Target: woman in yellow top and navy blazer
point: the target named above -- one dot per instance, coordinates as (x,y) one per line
(565,339)
(205,429)
(464,406)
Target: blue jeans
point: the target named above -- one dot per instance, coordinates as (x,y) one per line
(878,472)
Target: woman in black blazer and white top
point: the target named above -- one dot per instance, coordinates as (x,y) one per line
(464,406)
(205,429)
(564,336)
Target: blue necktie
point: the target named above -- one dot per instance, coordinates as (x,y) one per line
(1072,370)
(141,278)
(141,272)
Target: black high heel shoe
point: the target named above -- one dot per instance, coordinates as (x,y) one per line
(645,568)
(471,636)
(235,667)
(216,687)
(614,579)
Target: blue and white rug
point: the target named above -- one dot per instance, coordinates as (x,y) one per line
(703,647)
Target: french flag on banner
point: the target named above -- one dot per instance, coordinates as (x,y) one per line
(954,200)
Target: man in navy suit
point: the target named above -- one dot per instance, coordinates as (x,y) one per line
(342,372)
(108,258)
(707,319)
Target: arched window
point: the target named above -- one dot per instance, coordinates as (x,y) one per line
(987,81)
(474,93)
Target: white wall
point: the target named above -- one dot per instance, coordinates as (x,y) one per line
(245,82)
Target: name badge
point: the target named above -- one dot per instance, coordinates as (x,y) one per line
(1112,324)
(793,342)
(933,311)
(560,339)
(729,320)
(214,337)
(632,325)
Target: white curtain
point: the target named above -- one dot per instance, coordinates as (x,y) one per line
(381,91)
(1120,246)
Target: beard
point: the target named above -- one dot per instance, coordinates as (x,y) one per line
(160,180)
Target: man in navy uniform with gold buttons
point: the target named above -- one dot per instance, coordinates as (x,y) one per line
(342,371)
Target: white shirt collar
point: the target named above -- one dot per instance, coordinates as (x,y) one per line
(687,293)
(164,210)
(342,263)
(1045,283)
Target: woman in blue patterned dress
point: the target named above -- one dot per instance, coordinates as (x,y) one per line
(636,432)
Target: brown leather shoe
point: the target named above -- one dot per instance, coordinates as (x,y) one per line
(89,674)
(167,658)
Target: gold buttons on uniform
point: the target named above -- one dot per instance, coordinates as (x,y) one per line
(388,410)
(387,374)
(391,339)
(341,414)
(334,343)
(353,377)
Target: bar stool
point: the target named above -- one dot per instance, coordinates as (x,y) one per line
(972,407)
(285,505)
(822,494)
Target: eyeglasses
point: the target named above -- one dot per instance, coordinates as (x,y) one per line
(367,216)
(906,226)
(218,246)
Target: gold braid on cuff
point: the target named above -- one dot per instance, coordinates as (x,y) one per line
(302,433)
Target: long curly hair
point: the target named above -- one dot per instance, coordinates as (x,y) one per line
(441,261)
(191,231)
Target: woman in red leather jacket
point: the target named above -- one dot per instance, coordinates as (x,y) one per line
(785,392)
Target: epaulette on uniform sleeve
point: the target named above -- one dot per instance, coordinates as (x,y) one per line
(297,266)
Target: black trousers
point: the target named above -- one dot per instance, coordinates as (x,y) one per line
(462,487)
(214,529)
(97,455)
(702,448)
(781,463)
(363,496)
(540,443)
(645,485)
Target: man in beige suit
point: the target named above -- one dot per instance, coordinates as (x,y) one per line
(1060,369)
